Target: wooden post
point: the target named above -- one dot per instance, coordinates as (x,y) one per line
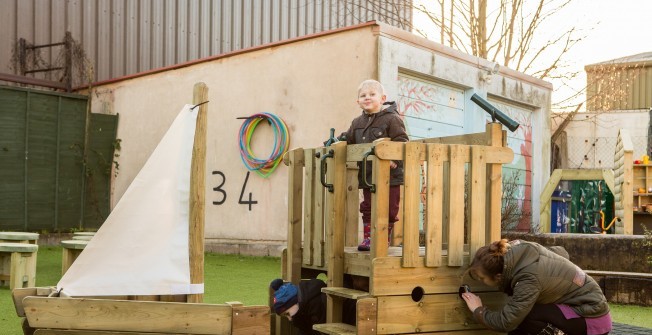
(495,175)
(295,159)
(335,230)
(197,193)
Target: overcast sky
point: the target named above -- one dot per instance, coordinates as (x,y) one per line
(613,29)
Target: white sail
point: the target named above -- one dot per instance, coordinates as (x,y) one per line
(142,247)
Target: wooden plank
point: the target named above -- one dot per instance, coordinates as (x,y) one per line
(412,199)
(18,295)
(388,277)
(344,292)
(467,139)
(355,152)
(295,199)
(308,205)
(250,320)
(352,206)
(495,182)
(435,312)
(318,216)
(357,263)
(335,229)
(434,204)
(379,208)
(456,211)
(335,328)
(89,332)
(396,150)
(544,199)
(477,234)
(198,192)
(366,313)
(627,189)
(123,315)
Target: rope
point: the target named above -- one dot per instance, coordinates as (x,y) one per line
(263,167)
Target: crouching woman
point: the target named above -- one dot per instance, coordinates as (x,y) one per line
(547,293)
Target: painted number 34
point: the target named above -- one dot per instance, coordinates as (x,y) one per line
(221,191)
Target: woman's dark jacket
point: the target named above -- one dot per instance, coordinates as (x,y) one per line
(533,274)
(367,128)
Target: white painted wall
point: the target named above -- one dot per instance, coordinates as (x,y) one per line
(593,135)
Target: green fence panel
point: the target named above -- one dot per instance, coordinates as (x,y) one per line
(44,181)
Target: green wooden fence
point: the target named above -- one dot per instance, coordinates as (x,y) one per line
(46,184)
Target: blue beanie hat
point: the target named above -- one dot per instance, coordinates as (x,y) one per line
(285,297)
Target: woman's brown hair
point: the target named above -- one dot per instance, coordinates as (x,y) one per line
(490,258)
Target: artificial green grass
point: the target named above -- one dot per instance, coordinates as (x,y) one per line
(230,278)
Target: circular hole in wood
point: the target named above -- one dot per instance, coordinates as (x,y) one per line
(417,294)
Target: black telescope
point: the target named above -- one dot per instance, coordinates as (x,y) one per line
(495,113)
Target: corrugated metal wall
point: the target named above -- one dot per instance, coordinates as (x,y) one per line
(122,37)
(619,86)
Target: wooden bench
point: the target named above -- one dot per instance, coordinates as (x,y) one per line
(82,237)
(71,250)
(18,237)
(18,264)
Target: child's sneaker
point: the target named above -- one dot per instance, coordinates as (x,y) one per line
(365,245)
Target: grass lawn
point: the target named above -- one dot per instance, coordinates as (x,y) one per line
(230,278)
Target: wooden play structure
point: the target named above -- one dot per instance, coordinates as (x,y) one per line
(413,286)
(621,181)
(46,311)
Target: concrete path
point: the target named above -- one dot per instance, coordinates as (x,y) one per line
(623,329)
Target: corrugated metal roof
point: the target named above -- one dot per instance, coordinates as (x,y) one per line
(122,37)
(638,58)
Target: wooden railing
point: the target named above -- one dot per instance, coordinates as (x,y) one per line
(321,222)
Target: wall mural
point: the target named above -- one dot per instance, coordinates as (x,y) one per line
(436,110)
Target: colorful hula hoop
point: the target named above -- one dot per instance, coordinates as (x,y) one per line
(263,167)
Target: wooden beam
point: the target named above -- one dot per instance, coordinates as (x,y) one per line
(335,229)
(250,320)
(544,200)
(396,151)
(295,198)
(456,211)
(436,312)
(367,316)
(478,201)
(412,200)
(497,139)
(124,315)
(198,192)
(434,205)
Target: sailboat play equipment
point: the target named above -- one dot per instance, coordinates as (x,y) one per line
(451,199)
(121,283)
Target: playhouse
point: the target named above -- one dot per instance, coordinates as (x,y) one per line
(413,286)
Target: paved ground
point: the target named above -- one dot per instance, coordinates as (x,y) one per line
(623,329)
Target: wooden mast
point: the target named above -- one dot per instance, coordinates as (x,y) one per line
(197,192)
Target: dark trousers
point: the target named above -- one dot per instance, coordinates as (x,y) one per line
(537,322)
(365,209)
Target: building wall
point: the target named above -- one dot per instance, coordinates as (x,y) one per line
(122,37)
(590,139)
(620,85)
(313,89)
(450,78)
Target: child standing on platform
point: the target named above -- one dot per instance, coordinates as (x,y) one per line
(379,119)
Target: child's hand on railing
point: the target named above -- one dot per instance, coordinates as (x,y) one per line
(392,165)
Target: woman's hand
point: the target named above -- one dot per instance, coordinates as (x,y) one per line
(472,301)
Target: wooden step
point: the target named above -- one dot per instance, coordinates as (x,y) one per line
(335,328)
(345,292)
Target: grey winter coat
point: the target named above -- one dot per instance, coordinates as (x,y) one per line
(367,128)
(533,274)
